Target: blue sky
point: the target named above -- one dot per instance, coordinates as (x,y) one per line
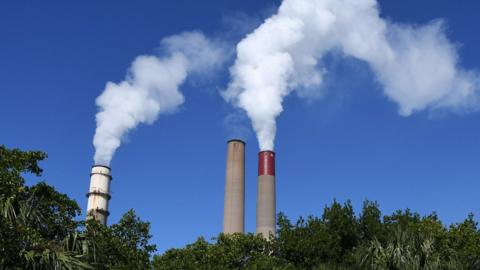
(56,57)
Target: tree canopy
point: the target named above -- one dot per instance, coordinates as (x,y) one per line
(340,239)
(40,229)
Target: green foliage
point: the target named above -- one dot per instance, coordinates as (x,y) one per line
(36,223)
(406,251)
(464,238)
(236,251)
(121,246)
(39,230)
(370,222)
(340,239)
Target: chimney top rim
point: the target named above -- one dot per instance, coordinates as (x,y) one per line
(236,140)
(99,165)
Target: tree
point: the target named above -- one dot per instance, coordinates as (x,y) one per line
(319,242)
(237,251)
(305,244)
(39,227)
(370,222)
(121,246)
(340,240)
(37,230)
(465,240)
(407,251)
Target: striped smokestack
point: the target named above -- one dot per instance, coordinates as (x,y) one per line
(99,193)
(234,207)
(266,194)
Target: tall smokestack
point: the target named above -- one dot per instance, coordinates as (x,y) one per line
(266,194)
(234,207)
(99,193)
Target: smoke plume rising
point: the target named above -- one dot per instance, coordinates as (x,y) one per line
(151,88)
(416,65)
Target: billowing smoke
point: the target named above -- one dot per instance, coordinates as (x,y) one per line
(416,65)
(150,88)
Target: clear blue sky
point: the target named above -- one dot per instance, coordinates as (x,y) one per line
(55,58)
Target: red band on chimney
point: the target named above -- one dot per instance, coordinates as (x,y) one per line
(266,163)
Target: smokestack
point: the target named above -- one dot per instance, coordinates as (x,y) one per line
(234,207)
(266,194)
(99,193)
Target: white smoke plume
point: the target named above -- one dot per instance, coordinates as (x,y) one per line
(416,65)
(150,88)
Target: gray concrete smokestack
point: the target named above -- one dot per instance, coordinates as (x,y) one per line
(234,207)
(266,214)
(99,193)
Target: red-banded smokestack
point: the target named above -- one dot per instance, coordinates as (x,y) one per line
(266,194)
(99,193)
(234,207)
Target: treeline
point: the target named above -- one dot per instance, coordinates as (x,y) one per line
(340,240)
(40,229)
